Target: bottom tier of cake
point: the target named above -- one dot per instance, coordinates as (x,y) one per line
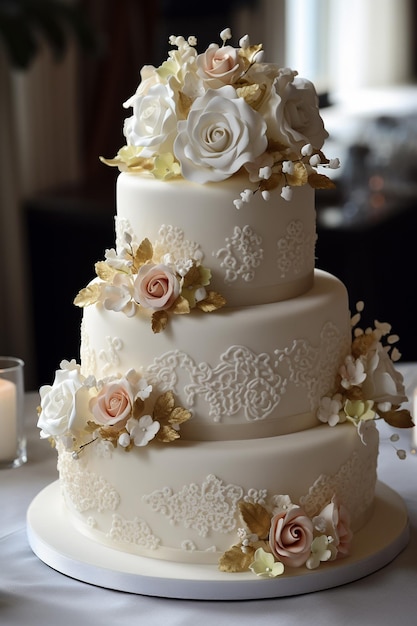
(182,502)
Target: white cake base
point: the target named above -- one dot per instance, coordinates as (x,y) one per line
(58,544)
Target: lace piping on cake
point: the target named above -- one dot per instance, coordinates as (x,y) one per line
(110,356)
(355,480)
(252,384)
(241,255)
(86,490)
(294,249)
(134,531)
(172,245)
(209,507)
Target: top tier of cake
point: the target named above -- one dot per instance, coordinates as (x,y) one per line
(261,253)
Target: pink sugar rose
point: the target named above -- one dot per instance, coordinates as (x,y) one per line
(113,403)
(156,287)
(291,536)
(219,66)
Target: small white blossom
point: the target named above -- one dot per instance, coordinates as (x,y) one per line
(265,195)
(329,410)
(352,372)
(307,149)
(200,294)
(226,34)
(315,160)
(265,172)
(238,203)
(244,42)
(246,195)
(333,164)
(192,40)
(286,193)
(319,551)
(288,167)
(143,430)
(124,440)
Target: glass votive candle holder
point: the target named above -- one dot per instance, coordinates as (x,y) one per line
(12,431)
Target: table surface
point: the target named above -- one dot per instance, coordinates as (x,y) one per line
(33,593)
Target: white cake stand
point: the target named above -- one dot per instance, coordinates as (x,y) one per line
(58,544)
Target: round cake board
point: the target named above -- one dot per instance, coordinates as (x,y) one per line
(58,544)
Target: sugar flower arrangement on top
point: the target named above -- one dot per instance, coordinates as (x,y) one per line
(207,116)
(368,387)
(124,410)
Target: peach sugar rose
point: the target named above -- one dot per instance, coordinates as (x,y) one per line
(291,536)
(219,66)
(156,287)
(113,403)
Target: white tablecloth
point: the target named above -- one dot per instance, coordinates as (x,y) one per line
(32,593)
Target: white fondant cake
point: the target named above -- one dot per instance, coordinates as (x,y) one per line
(212,351)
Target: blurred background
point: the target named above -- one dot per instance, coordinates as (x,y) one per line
(66,67)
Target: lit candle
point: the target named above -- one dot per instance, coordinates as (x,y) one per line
(8,420)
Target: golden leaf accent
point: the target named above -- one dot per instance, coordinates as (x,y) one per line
(320,181)
(159,321)
(104,271)
(252,94)
(144,253)
(212,302)
(164,406)
(299,176)
(88,295)
(398,419)
(167,434)
(256,518)
(234,560)
(179,415)
(192,277)
(180,306)
(184,104)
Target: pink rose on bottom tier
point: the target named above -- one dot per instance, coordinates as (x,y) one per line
(291,536)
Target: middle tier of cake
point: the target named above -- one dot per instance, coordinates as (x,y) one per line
(245,372)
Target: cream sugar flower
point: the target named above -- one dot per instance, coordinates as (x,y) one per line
(207,116)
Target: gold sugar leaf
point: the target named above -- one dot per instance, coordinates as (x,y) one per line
(299,176)
(159,321)
(184,104)
(144,253)
(212,302)
(179,415)
(181,306)
(234,560)
(320,181)
(252,94)
(88,295)
(192,277)
(167,434)
(256,518)
(164,406)
(398,419)
(104,271)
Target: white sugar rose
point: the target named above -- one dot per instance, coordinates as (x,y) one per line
(219,66)
(64,404)
(113,403)
(383,383)
(292,112)
(156,287)
(221,134)
(154,121)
